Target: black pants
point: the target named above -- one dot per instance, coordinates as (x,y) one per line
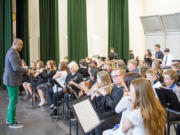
(52,98)
(178,130)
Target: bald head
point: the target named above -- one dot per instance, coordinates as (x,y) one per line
(17,44)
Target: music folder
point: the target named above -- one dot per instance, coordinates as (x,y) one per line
(85,114)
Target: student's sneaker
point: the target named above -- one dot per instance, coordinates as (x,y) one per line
(15,126)
(17,122)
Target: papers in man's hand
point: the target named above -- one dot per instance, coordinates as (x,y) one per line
(86,115)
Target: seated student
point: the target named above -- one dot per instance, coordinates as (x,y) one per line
(37,78)
(170,78)
(142,69)
(168,58)
(32,67)
(132,66)
(73,76)
(48,74)
(152,76)
(121,64)
(111,101)
(142,120)
(176,67)
(51,93)
(156,66)
(125,106)
(108,67)
(83,68)
(90,85)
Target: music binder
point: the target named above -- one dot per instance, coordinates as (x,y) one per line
(85,114)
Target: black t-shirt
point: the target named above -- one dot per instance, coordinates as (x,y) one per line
(84,72)
(159,55)
(113,56)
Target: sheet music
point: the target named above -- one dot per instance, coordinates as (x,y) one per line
(86,115)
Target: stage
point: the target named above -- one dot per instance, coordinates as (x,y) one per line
(35,121)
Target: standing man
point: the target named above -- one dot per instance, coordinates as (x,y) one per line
(112,54)
(159,54)
(13,79)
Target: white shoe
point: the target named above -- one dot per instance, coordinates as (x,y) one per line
(17,122)
(15,126)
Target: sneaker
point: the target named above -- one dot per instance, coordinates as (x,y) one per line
(54,113)
(15,126)
(17,122)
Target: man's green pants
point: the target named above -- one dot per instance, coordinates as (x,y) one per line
(13,92)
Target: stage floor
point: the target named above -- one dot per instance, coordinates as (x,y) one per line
(36,121)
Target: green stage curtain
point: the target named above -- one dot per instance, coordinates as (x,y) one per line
(22,27)
(77,30)
(118,30)
(49,31)
(5,32)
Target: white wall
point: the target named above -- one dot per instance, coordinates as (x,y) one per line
(163,7)
(63,29)
(136,33)
(139,42)
(97,27)
(34,29)
(155,7)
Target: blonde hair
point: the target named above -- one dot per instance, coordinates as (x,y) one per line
(151,71)
(121,71)
(154,115)
(172,74)
(121,64)
(133,61)
(176,65)
(143,68)
(41,64)
(105,80)
(73,65)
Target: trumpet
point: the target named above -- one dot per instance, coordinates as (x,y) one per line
(101,88)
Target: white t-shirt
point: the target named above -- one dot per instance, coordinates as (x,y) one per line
(124,104)
(135,117)
(61,81)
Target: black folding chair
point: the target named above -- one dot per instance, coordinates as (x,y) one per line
(170,101)
(62,99)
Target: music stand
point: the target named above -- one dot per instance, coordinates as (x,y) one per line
(32,102)
(85,114)
(170,101)
(58,86)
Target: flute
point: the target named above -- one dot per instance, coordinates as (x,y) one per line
(101,88)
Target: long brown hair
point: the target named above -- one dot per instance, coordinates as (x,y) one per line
(105,80)
(53,64)
(158,68)
(153,113)
(64,66)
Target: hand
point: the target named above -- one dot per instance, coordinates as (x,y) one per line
(102,92)
(126,93)
(81,93)
(29,72)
